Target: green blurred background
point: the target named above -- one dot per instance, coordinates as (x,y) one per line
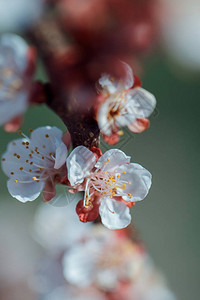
(168,219)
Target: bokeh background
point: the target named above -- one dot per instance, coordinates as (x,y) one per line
(168,219)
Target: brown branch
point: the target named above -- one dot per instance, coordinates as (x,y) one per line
(64,96)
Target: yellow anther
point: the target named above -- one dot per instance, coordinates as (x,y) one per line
(16,180)
(115,188)
(110,191)
(123,186)
(113,193)
(105,172)
(105,192)
(129,194)
(110,184)
(108,159)
(105,163)
(129,182)
(106,182)
(113,180)
(124,172)
(120,132)
(34,178)
(101,193)
(118,176)
(111,196)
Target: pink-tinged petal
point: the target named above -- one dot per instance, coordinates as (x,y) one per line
(49,191)
(97,152)
(14,124)
(139,125)
(112,159)
(112,139)
(137,82)
(61,154)
(114,214)
(139,181)
(79,164)
(25,191)
(142,102)
(67,139)
(31,61)
(89,213)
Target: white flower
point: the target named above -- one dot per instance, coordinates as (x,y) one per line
(32,164)
(105,259)
(14,82)
(125,104)
(112,183)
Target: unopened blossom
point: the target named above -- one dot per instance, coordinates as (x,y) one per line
(123,103)
(34,164)
(111,184)
(15,77)
(105,259)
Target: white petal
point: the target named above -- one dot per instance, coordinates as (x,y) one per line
(14,48)
(25,191)
(107,84)
(129,79)
(61,154)
(79,164)
(142,102)
(12,108)
(140,181)
(104,124)
(79,263)
(112,159)
(46,136)
(114,214)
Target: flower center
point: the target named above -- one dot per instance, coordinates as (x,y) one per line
(106,185)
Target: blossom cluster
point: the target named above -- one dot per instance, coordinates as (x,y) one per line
(92,263)
(110,183)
